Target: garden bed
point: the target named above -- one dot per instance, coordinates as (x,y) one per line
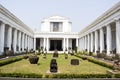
(85,69)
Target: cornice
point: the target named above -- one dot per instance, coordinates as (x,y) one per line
(105,15)
(8,14)
(56,33)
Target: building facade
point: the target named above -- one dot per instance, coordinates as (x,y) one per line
(56,34)
(101,35)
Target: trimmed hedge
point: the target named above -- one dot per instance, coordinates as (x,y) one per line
(11,60)
(78,76)
(22,75)
(101,63)
(117,76)
(104,64)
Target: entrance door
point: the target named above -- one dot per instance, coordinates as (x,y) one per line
(55,44)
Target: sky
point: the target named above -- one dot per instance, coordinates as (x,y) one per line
(81,12)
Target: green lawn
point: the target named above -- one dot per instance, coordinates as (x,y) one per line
(43,66)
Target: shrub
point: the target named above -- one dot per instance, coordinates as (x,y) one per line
(78,76)
(33,59)
(97,62)
(26,56)
(101,55)
(11,60)
(22,75)
(100,63)
(109,58)
(117,76)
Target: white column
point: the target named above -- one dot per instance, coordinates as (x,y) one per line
(92,42)
(23,38)
(96,41)
(67,44)
(108,39)
(25,41)
(19,41)
(44,44)
(85,43)
(2,32)
(15,40)
(64,44)
(118,36)
(34,43)
(101,40)
(28,42)
(76,42)
(88,46)
(47,44)
(9,39)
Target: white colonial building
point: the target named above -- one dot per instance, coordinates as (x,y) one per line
(103,34)
(55,33)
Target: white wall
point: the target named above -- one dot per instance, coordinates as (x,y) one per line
(45,24)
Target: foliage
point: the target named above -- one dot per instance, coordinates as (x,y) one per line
(78,76)
(102,63)
(22,75)
(11,60)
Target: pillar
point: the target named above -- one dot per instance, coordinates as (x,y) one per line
(88,45)
(101,40)
(64,44)
(67,43)
(44,44)
(118,36)
(9,39)
(15,40)
(96,41)
(2,32)
(34,43)
(76,42)
(47,45)
(85,43)
(19,41)
(92,42)
(108,39)
(23,38)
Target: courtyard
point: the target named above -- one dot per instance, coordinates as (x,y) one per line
(64,66)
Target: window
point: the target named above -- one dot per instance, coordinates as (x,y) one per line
(56,26)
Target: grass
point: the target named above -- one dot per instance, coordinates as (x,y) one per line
(64,66)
